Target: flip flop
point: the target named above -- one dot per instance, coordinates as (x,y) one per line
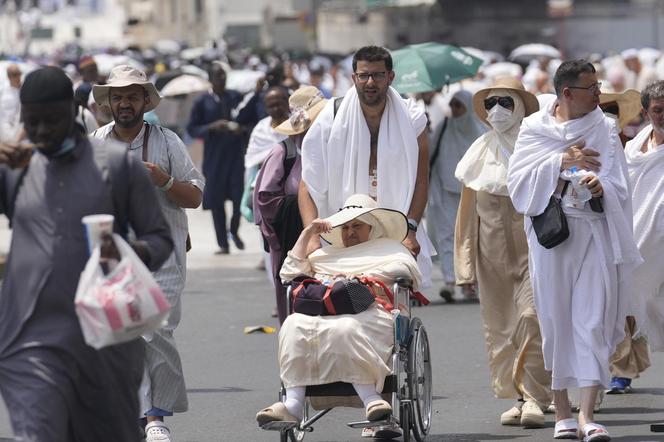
(566,429)
(593,432)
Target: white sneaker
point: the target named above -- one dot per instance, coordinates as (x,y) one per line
(157,431)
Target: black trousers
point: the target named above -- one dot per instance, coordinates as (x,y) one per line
(219,219)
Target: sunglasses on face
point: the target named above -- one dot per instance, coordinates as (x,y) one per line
(505,102)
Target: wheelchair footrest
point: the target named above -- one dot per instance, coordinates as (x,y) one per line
(364,424)
(281,426)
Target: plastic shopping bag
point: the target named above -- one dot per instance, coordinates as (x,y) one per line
(122,305)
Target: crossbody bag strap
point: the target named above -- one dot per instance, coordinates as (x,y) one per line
(146,138)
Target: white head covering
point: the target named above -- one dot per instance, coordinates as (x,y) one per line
(484,167)
(459,134)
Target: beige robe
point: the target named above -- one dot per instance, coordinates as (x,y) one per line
(491,250)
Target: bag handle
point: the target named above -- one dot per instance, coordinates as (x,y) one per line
(146,138)
(370,282)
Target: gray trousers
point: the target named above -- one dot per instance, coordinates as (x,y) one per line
(52,397)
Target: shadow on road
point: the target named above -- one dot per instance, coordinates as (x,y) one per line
(479,437)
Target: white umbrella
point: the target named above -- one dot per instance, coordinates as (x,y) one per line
(190,69)
(106,62)
(243,80)
(184,85)
(534,50)
(502,69)
(166,46)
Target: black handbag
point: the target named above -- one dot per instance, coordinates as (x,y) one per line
(551,225)
(348,296)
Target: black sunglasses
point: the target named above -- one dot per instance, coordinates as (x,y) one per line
(505,102)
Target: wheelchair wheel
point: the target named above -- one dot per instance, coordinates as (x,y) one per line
(404,420)
(419,380)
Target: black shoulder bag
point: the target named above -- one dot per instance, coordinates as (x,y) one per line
(551,225)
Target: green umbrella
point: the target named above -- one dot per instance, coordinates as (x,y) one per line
(429,66)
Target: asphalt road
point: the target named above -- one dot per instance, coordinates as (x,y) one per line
(231,375)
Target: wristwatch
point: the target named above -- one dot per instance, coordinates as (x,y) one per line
(168,185)
(412,224)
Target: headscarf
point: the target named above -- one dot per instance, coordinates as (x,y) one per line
(460,133)
(484,166)
(377,230)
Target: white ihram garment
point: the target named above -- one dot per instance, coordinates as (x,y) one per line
(646,174)
(335,159)
(262,139)
(581,286)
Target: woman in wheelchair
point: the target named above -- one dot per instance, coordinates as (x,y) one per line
(365,241)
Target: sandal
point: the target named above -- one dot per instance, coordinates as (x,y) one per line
(566,429)
(378,409)
(593,432)
(276,412)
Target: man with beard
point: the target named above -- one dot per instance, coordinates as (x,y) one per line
(130,95)
(375,143)
(56,387)
(223,154)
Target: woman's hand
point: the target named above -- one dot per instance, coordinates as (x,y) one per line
(318,226)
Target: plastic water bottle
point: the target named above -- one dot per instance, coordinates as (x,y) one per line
(580,193)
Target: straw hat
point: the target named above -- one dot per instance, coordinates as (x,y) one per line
(393,222)
(629,105)
(122,76)
(305,104)
(510,83)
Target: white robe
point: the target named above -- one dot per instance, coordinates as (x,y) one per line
(262,139)
(646,174)
(335,159)
(581,286)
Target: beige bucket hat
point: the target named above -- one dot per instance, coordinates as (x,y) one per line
(122,76)
(305,105)
(628,102)
(510,83)
(393,222)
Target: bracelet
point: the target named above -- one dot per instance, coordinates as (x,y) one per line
(166,187)
(412,224)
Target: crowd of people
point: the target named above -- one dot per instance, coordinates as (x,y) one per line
(330,151)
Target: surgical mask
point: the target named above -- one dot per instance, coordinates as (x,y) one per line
(500,118)
(67,145)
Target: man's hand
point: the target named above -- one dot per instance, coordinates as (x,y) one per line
(260,84)
(159,177)
(593,184)
(581,157)
(218,125)
(411,243)
(15,155)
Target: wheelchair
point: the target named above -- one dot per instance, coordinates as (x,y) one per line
(408,387)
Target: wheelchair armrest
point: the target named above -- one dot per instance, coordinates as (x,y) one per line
(404,282)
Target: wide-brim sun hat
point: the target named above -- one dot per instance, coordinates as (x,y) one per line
(629,104)
(393,222)
(512,84)
(123,76)
(305,105)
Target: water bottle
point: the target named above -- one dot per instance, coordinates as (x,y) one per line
(580,193)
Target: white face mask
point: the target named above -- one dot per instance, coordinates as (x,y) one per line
(500,118)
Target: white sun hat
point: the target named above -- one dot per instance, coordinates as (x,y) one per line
(393,223)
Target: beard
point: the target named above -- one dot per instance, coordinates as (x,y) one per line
(127,118)
(373,96)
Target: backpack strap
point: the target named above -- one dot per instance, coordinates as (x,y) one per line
(436,151)
(146,138)
(291,155)
(337,104)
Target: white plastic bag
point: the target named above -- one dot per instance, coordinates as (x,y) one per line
(122,305)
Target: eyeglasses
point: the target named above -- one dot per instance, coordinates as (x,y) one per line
(505,102)
(592,88)
(13,74)
(363,77)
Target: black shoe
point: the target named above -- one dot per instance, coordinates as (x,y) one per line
(447,295)
(237,241)
(222,251)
